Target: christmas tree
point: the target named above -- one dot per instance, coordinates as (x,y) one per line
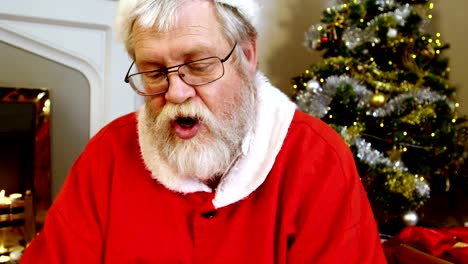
(383,85)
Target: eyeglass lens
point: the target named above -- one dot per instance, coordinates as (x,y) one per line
(194,73)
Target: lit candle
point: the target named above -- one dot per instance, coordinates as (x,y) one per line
(4,259)
(15,196)
(16,254)
(3,199)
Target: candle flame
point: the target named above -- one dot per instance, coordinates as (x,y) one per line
(15,196)
(3,199)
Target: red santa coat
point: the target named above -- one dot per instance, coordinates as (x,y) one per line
(295,198)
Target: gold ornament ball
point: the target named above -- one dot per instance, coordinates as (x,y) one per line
(378,100)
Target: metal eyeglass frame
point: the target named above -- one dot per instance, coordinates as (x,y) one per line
(175,68)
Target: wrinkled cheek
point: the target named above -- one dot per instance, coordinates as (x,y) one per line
(151,112)
(155,104)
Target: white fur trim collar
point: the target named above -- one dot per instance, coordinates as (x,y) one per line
(274,115)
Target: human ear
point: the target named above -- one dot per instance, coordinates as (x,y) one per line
(250,51)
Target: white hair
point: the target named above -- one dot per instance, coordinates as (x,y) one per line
(238,18)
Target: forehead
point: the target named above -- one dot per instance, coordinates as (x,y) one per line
(197,26)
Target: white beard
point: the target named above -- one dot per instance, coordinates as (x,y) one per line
(218,142)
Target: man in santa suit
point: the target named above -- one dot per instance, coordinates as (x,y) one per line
(218,166)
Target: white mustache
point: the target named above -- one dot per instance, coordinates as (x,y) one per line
(188,109)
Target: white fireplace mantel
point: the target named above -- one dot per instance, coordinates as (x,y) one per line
(77,34)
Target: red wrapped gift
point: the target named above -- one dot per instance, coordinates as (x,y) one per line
(449,244)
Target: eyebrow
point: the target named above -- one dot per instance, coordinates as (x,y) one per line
(200,51)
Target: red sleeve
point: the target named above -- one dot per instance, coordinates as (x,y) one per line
(352,236)
(73,231)
(337,223)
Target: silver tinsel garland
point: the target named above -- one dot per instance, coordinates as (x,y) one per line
(385,3)
(399,16)
(422,187)
(373,157)
(314,35)
(369,155)
(422,96)
(354,36)
(316,100)
(402,13)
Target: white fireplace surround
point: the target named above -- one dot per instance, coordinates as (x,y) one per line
(77,34)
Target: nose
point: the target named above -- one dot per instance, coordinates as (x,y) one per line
(178,91)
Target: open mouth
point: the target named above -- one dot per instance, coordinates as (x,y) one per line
(187,122)
(186,127)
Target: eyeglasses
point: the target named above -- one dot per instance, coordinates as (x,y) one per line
(198,72)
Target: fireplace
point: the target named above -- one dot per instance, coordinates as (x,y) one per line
(25,194)
(70,48)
